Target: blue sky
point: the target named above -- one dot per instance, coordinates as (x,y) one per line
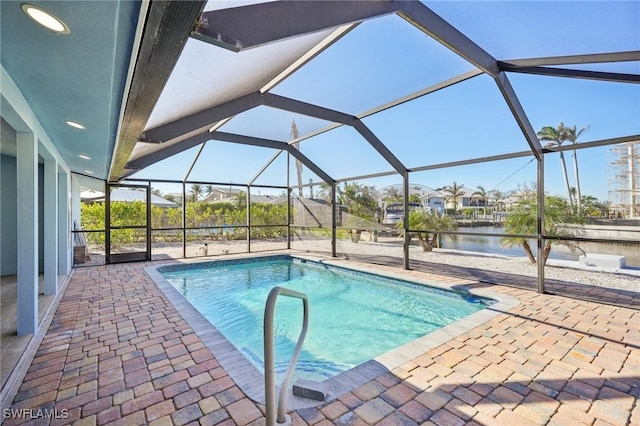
(386,58)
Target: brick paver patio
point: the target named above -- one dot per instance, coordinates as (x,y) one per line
(117,352)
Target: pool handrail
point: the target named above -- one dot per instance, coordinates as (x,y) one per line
(269,363)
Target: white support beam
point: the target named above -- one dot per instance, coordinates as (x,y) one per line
(64,219)
(50,227)
(27,224)
(593,58)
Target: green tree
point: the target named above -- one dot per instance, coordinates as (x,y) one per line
(556,136)
(195,193)
(361,200)
(498,199)
(362,205)
(241,200)
(414,198)
(324,193)
(209,190)
(481,195)
(559,221)
(391,194)
(268,214)
(428,226)
(453,193)
(592,207)
(572,135)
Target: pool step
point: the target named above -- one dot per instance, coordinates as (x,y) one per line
(310,389)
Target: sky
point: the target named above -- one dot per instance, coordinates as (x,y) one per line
(386,58)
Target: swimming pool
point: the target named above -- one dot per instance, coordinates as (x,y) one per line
(354,316)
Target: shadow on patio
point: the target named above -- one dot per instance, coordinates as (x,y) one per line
(118,352)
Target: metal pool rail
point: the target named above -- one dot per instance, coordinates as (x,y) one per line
(269,367)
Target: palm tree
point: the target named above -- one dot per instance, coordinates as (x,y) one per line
(558,222)
(556,136)
(498,198)
(295,134)
(392,194)
(482,195)
(360,199)
(362,207)
(430,223)
(591,207)
(572,136)
(324,193)
(196,192)
(454,192)
(415,199)
(209,190)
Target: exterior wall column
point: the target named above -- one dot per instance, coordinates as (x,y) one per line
(27,198)
(50,227)
(75,201)
(64,232)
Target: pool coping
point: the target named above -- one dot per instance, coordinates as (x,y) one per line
(251,381)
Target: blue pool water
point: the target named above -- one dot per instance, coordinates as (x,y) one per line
(353,317)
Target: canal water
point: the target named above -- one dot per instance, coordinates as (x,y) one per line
(485,244)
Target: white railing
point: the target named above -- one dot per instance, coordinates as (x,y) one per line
(269,364)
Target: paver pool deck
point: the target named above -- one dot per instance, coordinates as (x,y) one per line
(117,352)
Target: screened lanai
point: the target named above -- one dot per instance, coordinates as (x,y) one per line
(317,135)
(475,146)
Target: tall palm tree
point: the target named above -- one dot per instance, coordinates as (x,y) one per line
(196,192)
(209,190)
(556,136)
(295,134)
(559,221)
(454,192)
(482,195)
(572,135)
(392,194)
(498,198)
(324,193)
(430,224)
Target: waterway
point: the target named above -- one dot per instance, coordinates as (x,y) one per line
(484,244)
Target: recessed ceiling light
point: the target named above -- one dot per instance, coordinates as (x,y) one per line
(74,124)
(88,171)
(46,19)
(84,157)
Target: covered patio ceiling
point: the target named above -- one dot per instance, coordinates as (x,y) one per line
(79,76)
(238,60)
